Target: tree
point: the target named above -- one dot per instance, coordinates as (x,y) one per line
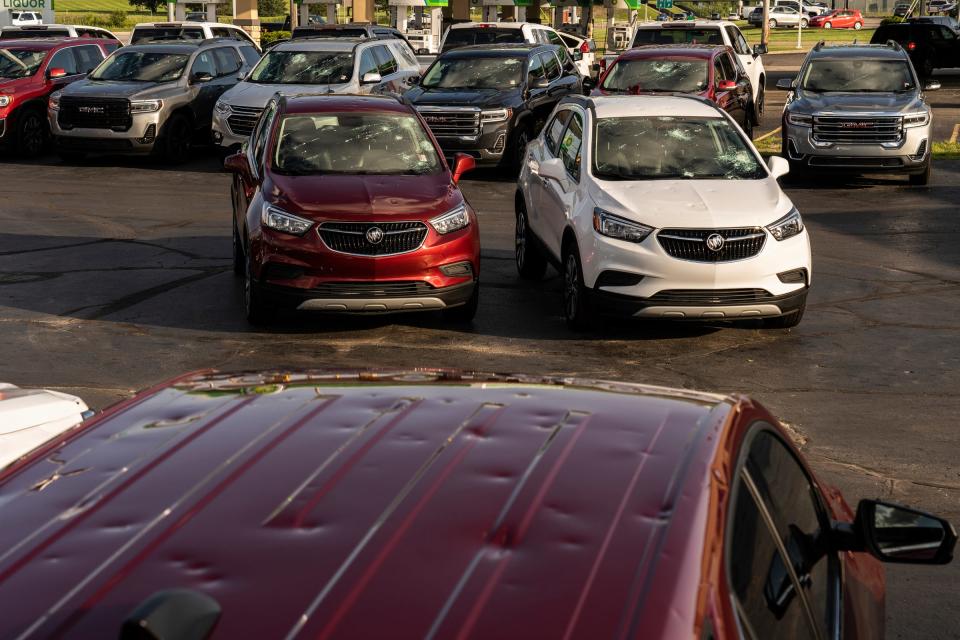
(272,7)
(153,6)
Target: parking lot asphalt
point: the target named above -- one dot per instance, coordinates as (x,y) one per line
(115,274)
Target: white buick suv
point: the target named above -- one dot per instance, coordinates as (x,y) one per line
(660,207)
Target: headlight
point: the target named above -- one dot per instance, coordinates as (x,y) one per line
(801,119)
(607,224)
(222,107)
(5,101)
(279,220)
(916,119)
(787,226)
(495,115)
(451,221)
(145,106)
(54,101)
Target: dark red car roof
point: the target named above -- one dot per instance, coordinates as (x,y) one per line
(331,103)
(704,51)
(45,44)
(412,504)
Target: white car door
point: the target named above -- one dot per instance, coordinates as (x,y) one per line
(752,64)
(545,147)
(560,196)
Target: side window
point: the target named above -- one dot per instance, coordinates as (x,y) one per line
(368,63)
(221,32)
(65,60)
(555,130)
(554,38)
(534,70)
(539,36)
(204,63)
(228,62)
(569,66)
(570,146)
(250,55)
(406,54)
(799,521)
(947,34)
(551,66)
(262,133)
(738,43)
(88,57)
(758,576)
(728,69)
(719,73)
(386,63)
(240,34)
(111,46)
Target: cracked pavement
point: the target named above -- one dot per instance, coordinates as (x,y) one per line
(115,275)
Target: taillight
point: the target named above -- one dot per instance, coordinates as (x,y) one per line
(911,46)
(603,65)
(584,47)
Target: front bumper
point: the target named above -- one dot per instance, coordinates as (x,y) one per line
(909,155)
(367,300)
(140,138)
(700,305)
(486,149)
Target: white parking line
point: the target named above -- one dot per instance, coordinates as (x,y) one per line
(956,132)
(777,130)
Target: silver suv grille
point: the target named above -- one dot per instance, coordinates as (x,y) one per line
(352,237)
(243,119)
(691,244)
(854,129)
(445,122)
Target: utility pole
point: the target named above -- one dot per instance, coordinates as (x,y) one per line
(294,18)
(765,32)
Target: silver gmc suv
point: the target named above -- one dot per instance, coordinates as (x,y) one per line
(859,108)
(147,98)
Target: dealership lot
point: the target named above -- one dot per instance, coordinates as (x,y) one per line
(115,274)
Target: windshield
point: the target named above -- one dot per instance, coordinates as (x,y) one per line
(634,76)
(859,76)
(141,66)
(166,33)
(17,34)
(20,63)
(464,37)
(304,67)
(677,36)
(354,143)
(475,73)
(672,148)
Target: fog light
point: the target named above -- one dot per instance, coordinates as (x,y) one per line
(793,276)
(149,135)
(499,144)
(217,137)
(457,269)
(921,151)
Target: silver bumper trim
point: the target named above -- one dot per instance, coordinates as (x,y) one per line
(711,313)
(371,305)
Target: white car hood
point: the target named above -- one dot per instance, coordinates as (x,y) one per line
(30,417)
(694,203)
(252,94)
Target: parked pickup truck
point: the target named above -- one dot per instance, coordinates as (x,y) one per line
(285,25)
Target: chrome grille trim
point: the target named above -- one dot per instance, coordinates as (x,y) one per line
(242,120)
(350,237)
(452,122)
(690,244)
(854,129)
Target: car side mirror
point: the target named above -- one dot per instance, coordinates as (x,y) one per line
(462,163)
(201,77)
(779,166)
(893,533)
(413,80)
(933,85)
(553,169)
(423,51)
(577,55)
(785,83)
(371,77)
(759,50)
(589,84)
(56,72)
(539,83)
(726,85)
(237,163)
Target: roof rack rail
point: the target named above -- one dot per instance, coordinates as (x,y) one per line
(893,44)
(819,45)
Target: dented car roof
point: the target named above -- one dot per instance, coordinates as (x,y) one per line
(414,503)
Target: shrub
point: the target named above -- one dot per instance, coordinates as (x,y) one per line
(273,7)
(273,36)
(892,20)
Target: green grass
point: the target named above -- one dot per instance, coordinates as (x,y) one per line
(941,150)
(100,6)
(946,150)
(786,39)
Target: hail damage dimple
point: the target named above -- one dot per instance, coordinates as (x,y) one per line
(46,482)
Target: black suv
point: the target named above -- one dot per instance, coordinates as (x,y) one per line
(489,100)
(931,46)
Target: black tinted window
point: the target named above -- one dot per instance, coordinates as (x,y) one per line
(228,62)
(65,60)
(166,33)
(678,36)
(551,66)
(534,70)
(88,57)
(463,37)
(204,63)
(555,130)
(250,55)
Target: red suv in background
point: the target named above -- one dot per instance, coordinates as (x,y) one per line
(345,204)
(711,71)
(839,19)
(30,70)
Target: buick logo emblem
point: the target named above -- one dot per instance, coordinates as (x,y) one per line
(374,235)
(715,242)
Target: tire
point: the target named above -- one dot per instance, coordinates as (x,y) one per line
(531,263)
(748,124)
(176,139)
(520,142)
(772,23)
(32,134)
(804,23)
(575,309)
(828,25)
(760,102)
(257,312)
(465,313)
(858,25)
(787,321)
(922,179)
(239,259)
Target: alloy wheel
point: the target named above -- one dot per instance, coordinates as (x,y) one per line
(571,287)
(31,135)
(520,237)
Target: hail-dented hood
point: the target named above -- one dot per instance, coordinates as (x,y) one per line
(364,505)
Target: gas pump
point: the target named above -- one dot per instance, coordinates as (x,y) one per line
(491,8)
(422,29)
(331,12)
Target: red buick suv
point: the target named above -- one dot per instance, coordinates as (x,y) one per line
(346,204)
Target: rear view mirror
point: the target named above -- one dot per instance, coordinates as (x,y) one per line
(933,85)
(552,169)
(538,83)
(462,163)
(899,534)
(759,50)
(785,83)
(577,55)
(56,72)
(371,78)
(237,163)
(589,84)
(779,167)
(726,85)
(200,77)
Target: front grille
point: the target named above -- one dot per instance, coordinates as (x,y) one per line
(691,244)
(853,129)
(351,237)
(452,123)
(853,162)
(94,113)
(243,120)
(698,297)
(371,289)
